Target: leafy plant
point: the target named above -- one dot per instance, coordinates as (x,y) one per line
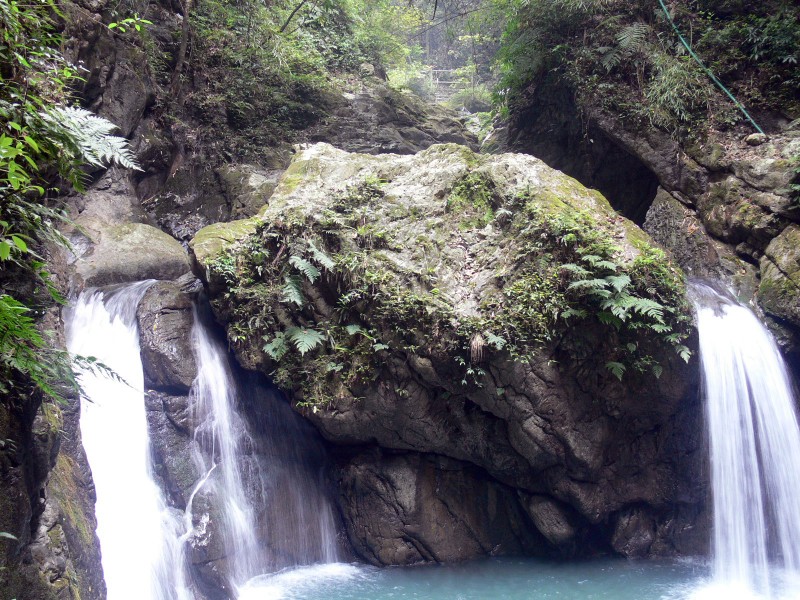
(44,143)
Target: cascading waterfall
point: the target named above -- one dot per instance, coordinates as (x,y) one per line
(755,450)
(279,473)
(266,491)
(139,535)
(220,436)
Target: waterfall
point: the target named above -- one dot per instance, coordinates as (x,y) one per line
(138,533)
(263,491)
(278,471)
(755,448)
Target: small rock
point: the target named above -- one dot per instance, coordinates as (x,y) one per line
(755,139)
(366,70)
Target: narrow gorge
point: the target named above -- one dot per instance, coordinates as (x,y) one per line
(332,339)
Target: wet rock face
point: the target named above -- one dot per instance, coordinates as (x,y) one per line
(587,457)
(379,120)
(403,509)
(165,323)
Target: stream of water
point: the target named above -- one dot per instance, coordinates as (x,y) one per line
(755,452)
(278,525)
(139,534)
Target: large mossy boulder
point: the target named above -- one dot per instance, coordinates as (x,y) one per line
(487,309)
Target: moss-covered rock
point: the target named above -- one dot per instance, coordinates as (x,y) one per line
(130,252)
(480,308)
(780,276)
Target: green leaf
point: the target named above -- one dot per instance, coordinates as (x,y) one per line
(5,250)
(306,268)
(304,339)
(19,243)
(657,370)
(619,282)
(354,329)
(8,536)
(617,369)
(573,312)
(684,353)
(276,348)
(293,290)
(495,340)
(323,259)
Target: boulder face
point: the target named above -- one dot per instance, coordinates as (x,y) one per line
(449,321)
(720,201)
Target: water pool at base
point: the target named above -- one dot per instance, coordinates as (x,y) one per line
(507,579)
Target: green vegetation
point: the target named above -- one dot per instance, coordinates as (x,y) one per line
(626,57)
(331,309)
(45,145)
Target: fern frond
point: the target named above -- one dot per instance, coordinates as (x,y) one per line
(649,308)
(354,329)
(684,353)
(577,269)
(633,37)
(88,136)
(306,268)
(304,339)
(293,290)
(276,348)
(495,340)
(323,259)
(588,284)
(619,282)
(608,318)
(617,369)
(573,312)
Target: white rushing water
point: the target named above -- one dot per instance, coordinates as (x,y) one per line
(220,436)
(265,496)
(755,454)
(138,533)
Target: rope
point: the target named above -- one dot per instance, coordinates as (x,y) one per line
(707,70)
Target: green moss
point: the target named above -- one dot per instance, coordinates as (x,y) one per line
(475,198)
(68,496)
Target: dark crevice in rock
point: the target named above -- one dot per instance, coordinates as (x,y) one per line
(553,129)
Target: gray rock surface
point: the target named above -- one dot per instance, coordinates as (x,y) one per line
(578,445)
(165,324)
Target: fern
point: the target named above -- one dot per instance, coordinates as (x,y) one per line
(306,268)
(634,37)
(323,259)
(495,340)
(86,136)
(631,40)
(589,285)
(619,282)
(304,339)
(649,308)
(617,369)
(608,318)
(293,290)
(573,312)
(577,269)
(277,348)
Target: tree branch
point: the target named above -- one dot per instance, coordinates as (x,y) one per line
(291,16)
